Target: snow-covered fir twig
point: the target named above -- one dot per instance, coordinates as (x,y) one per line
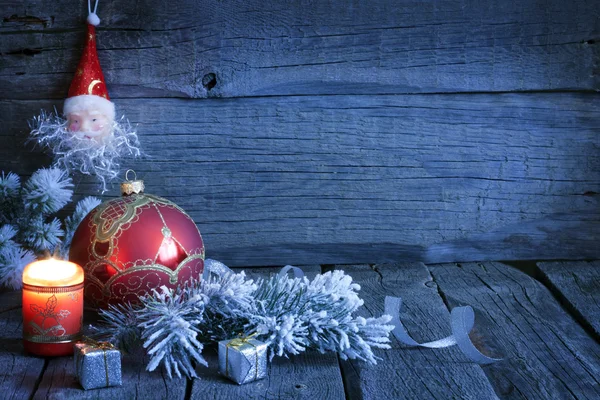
(298,313)
(290,314)
(228,301)
(169,325)
(27,224)
(82,209)
(13,258)
(119,326)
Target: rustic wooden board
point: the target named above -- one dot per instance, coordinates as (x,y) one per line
(546,353)
(578,285)
(58,379)
(10,300)
(404,372)
(256,48)
(59,382)
(345,179)
(19,372)
(310,375)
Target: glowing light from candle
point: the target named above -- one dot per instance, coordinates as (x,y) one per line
(52,272)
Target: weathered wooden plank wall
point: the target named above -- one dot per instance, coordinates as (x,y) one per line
(340,132)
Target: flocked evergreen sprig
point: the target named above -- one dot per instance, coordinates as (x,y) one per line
(293,314)
(28,226)
(289,314)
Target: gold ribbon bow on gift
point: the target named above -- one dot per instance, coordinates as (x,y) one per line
(102,346)
(238,343)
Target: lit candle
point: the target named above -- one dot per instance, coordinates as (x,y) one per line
(52,307)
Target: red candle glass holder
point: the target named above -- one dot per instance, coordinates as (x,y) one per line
(52,307)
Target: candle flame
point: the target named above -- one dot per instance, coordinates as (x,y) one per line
(52,272)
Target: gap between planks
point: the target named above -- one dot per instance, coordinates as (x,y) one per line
(564,279)
(546,353)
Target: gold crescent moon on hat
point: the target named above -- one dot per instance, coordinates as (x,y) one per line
(92,84)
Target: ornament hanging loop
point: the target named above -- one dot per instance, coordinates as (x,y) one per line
(127,174)
(129,187)
(93,18)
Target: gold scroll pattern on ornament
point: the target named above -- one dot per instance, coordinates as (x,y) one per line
(109,222)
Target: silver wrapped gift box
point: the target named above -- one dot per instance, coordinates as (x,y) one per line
(97,364)
(243,360)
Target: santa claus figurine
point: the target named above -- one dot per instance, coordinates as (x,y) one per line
(88,109)
(89,140)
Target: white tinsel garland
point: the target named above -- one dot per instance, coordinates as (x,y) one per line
(75,154)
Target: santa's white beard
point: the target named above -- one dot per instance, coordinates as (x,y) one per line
(74,152)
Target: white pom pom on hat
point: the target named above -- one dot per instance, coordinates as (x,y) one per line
(93,19)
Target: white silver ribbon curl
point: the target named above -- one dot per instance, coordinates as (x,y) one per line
(214,267)
(462,320)
(298,273)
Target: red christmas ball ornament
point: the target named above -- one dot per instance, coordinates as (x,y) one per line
(131,245)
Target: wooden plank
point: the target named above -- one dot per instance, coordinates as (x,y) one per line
(345,179)
(407,372)
(59,382)
(10,300)
(546,354)
(256,48)
(578,285)
(310,375)
(20,372)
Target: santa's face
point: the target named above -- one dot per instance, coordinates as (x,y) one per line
(89,124)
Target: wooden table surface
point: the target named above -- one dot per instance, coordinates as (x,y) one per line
(546,328)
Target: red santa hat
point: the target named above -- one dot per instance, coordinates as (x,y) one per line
(88,88)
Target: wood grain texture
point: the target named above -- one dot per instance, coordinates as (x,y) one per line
(256,48)
(578,285)
(343,179)
(19,372)
(310,375)
(10,300)
(546,354)
(404,372)
(59,382)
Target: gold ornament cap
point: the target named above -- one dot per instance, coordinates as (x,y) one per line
(130,187)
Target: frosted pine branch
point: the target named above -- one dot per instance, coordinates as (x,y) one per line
(39,235)
(290,314)
(48,190)
(119,326)
(13,260)
(169,321)
(27,226)
(72,222)
(9,185)
(298,313)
